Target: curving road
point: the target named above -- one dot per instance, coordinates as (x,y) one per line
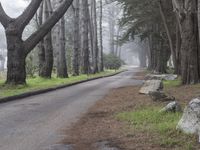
(36,123)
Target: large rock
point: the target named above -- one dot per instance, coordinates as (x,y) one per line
(161,77)
(190,121)
(151,86)
(160,96)
(172,107)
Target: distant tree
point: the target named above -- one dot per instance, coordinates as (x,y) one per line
(101,36)
(95,37)
(142,20)
(111,61)
(2,61)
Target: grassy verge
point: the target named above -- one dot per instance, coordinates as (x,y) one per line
(171,83)
(38,83)
(162,125)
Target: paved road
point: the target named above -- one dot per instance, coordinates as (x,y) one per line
(36,123)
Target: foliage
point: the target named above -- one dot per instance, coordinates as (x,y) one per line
(164,124)
(140,16)
(111,61)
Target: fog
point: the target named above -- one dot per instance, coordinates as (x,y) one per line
(111,12)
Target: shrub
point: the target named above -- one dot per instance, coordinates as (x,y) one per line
(111,61)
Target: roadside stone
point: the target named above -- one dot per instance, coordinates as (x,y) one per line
(172,107)
(161,77)
(151,86)
(157,95)
(190,121)
(160,96)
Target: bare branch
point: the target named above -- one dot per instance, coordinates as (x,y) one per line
(4,18)
(34,39)
(28,14)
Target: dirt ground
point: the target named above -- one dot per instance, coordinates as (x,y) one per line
(184,94)
(100,124)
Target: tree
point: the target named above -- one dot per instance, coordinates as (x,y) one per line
(101,36)
(19,49)
(95,38)
(112,61)
(76,50)
(142,20)
(45,46)
(85,39)
(2,60)
(187,19)
(61,64)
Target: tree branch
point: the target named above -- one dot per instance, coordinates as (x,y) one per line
(36,37)
(4,18)
(28,14)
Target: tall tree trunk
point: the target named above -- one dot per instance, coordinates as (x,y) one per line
(91,34)
(85,40)
(173,52)
(117,41)
(95,38)
(16,73)
(112,30)
(76,52)
(189,45)
(101,36)
(142,58)
(198,5)
(61,55)
(47,62)
(178,51)
(2,62)
(143,55)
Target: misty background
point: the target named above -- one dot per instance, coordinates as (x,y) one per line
(111,15)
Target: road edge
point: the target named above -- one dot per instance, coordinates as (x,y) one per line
(38,92)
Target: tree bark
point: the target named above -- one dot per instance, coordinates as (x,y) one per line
(178,51)
(101,36)
(61,57)
(16,72)
(189,46)
(112,30)
(76,52)
(95,38)
(85,40)
(46,52)
(173,52)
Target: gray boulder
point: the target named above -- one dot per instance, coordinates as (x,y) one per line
(160,96)
(151,86)
(161,77)
(190,121)
(172,107)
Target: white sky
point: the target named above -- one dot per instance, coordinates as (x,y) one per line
(13,8)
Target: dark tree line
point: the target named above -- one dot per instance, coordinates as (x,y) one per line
(170,28)
(50,38)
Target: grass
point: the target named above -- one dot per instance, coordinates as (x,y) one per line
(172,83)
(38,83)
(150,120)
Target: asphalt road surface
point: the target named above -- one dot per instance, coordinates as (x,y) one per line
(37,122)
